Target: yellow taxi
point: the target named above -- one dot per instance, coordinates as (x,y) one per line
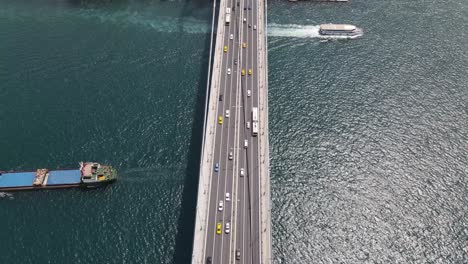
(243,72)
(218,228)
(225,48)
(244,45)
(250,71)
(220,120)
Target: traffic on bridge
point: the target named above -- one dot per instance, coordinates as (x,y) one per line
(233,227)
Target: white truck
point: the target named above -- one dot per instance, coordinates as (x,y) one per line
(254,114)
(228,16)
(254,121)
(254,129)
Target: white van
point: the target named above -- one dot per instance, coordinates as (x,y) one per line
(246,143)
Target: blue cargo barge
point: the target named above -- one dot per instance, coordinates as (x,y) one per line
(89,175)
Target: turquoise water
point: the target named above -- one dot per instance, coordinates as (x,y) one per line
(368,137)
(105,83)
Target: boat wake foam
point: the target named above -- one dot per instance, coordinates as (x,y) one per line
(6,195)
(166,23)
(293,31)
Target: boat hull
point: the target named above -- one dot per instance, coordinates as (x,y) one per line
(357,32)
(43,179)
(95,185)
(34,188)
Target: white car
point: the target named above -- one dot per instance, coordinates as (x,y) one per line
(228,197)
(242,172)
(245,19)
(255,27)
(249,93)
(230,155)
(227,228)
(246,143)
(231,36)
(227,113)
(248,125)
(229,71)
(220,206)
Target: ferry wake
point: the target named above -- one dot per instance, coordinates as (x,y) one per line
(89,175)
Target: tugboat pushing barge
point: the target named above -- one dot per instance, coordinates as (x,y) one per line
(89,175)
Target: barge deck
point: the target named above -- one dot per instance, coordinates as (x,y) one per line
(89,175)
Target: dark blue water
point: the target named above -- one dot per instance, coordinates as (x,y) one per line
(368,137)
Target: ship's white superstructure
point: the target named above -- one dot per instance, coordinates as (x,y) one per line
(340,30)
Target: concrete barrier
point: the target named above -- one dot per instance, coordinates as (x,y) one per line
(265,223)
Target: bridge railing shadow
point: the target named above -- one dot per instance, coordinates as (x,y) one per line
(186,221)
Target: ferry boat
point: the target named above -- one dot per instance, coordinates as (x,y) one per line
(340,30)
(89,175)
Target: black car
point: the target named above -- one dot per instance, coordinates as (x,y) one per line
(208,260)
(238,254)
(220,97)
(235,61)
(250,25)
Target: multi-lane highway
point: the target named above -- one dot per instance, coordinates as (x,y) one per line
(233,220)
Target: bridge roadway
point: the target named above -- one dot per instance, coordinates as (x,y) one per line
(247,210)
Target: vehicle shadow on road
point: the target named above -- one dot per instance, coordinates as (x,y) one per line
(186,221)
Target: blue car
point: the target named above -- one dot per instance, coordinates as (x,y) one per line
(217,167)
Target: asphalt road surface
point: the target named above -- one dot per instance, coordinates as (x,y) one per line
(242,209)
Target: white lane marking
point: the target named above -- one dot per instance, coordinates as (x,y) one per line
(227,147)
(252,174)
(238,160)
(234,161)
(213,150)
(222,8)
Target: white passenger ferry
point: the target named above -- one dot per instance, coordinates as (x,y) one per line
(339,30)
